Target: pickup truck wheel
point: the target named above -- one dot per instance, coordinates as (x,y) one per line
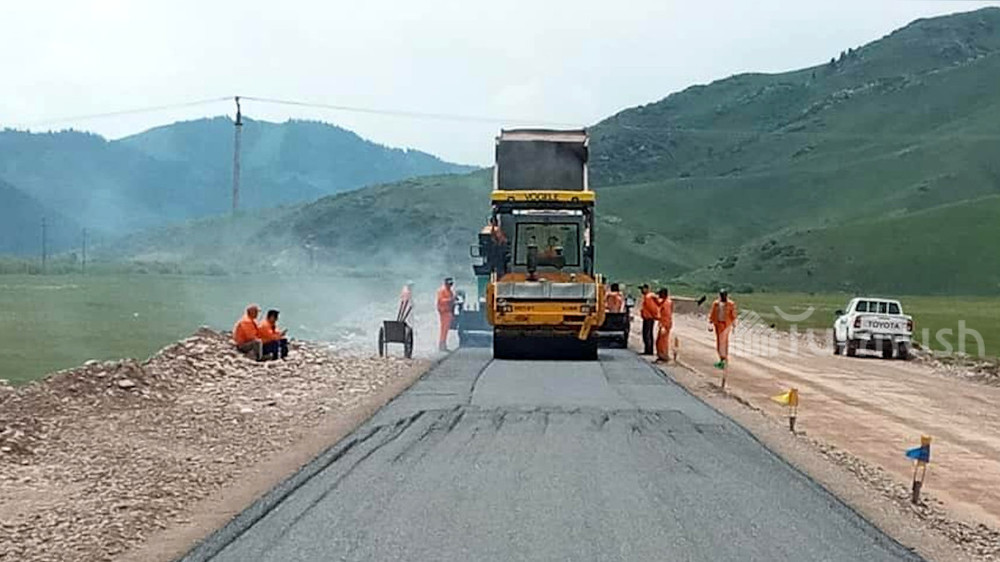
(903,352)
(838,348)
(852,348)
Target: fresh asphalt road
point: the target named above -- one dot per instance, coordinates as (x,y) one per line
(506,460)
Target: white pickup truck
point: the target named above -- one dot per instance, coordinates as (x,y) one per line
(875,324)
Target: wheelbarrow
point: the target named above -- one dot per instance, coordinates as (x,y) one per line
(394,331)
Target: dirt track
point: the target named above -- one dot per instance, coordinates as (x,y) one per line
(874,409)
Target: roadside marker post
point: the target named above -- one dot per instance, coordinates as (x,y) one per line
(922,456)
(790,399)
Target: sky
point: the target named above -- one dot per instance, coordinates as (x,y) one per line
(513,62)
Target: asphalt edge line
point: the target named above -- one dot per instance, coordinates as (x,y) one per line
(882,535)
(219,539)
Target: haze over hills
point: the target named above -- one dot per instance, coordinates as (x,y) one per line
(21,225)
(875,171)
(183,170)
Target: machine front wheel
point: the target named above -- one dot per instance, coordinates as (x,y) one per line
(503,346)
(381,342)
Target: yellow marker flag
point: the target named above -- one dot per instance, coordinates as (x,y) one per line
(790,398)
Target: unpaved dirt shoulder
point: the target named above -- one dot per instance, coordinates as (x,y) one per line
(875,493)
(140,461)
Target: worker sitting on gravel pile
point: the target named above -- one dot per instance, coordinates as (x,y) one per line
(649,310)
(722,318)
(246,335)
(614,301)
(666,320)
(446,311)
(275,342)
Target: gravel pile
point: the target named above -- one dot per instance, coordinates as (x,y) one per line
(979,541)
(974,370)
(94,459)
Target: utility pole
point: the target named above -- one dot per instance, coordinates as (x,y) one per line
(83,262)
(45,246)
(236,157)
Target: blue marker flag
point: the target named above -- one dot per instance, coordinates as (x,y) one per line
(922,453)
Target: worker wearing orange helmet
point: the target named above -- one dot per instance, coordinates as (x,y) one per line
(446,311)
(666,323)
(722,318)
(648,311)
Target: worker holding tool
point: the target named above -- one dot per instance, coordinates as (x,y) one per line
(246,335)
(614,301)
(275,344)
(666,323)
(648,311)
(722,318)
(405,302)
(446,311)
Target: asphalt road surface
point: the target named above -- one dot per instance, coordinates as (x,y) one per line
(505,460)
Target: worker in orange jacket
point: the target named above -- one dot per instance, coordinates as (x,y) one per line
(246,335)
(614,301)
(275,344)
(666,323)
(649,310)
(722,318)
(446,311)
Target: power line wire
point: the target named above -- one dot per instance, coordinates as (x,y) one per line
(411,114)
(612,123)
(150,109)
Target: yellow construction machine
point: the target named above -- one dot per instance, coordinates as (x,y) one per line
(543,298)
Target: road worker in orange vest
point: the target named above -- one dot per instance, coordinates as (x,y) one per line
(446,311)
(614,301)
(666,323)
(246,335)
(721,319)
(648,311)
(274,340)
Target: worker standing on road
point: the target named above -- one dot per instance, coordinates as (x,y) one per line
(722,318)
(649,310)
(274,340)
(446,311)
(246,334)
(666,320)
(405,302)
(614,301)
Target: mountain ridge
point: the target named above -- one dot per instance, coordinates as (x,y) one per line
(761,181)
(183,170)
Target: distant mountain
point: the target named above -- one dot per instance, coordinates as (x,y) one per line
(21,225)
(184,170)
(876,171)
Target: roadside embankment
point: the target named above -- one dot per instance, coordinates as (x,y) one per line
(861,414)
(117,456)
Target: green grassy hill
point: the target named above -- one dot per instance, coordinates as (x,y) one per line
(184,170)
(876,171)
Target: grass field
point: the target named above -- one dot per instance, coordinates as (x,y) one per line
(57,322)
(932,314)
